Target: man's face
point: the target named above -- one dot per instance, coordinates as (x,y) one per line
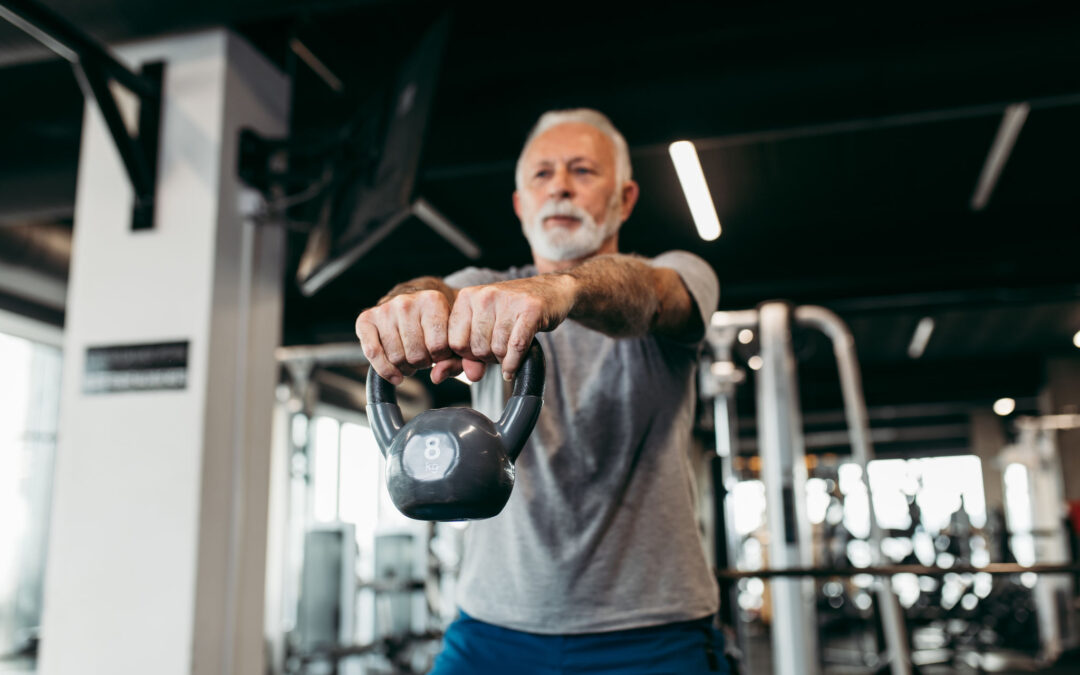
(569,203)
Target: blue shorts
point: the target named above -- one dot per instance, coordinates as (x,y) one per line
(472,647)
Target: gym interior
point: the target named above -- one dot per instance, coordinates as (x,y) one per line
(198,199)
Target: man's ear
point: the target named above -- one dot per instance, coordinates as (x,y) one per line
(630,192)
(517,204)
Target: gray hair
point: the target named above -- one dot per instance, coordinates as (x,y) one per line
(594,118)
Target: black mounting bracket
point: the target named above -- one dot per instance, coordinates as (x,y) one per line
(94,67)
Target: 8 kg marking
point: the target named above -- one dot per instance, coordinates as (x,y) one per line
(429,456)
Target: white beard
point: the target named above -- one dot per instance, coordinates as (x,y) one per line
(558,243)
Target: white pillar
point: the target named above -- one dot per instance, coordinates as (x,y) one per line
(158,536)
(783,470)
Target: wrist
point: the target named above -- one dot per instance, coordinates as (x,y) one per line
(570,288)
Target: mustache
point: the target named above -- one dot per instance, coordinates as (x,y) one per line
(561,207)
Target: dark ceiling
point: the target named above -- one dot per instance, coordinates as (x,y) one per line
(842,149)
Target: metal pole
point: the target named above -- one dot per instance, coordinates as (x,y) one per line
(94,85)
(993,569)
(858,420)
(330,269)
(783,468)
(48,28)
(431,217)
(724,378)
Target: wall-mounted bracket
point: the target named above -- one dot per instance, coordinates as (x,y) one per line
(94,67)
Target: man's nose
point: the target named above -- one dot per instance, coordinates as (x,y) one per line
(560,187)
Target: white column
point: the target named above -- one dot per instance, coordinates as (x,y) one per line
(158,534)
(783,470)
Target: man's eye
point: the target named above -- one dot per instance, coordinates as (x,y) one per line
(543,173)
(581,171)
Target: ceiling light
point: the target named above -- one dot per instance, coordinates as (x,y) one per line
(920,337)
(755,362)
(1076,339)
(1011,123)
(692,179)
(1004,406)
(746,336)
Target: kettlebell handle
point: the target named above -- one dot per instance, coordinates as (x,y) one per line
(514,426)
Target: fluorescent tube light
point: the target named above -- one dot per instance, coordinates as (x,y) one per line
(920,337)
(1011,123)
(692,179)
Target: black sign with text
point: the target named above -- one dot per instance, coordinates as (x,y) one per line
(142,367)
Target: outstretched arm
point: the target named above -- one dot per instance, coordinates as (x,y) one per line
(623,296)
(619,295)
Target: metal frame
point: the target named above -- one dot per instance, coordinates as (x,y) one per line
(782,450)
(993,569)
(94,67)
(783,470)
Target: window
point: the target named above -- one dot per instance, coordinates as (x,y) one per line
(29,410)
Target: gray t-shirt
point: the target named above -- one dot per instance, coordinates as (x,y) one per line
(600,532)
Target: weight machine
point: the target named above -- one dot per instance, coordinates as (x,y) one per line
(794,621)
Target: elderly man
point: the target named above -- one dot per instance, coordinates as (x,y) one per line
(596,564)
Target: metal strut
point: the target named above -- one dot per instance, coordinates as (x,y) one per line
(94,66)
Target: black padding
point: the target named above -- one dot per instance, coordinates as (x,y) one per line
(379,390)
(529,379)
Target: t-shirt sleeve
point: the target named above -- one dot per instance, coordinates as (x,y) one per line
(474,276)
(699,278)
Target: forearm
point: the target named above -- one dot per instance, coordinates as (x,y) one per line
(624,296)
(421,284)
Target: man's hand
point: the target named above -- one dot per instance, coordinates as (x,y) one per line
(415,329)
(406,333)
(497,322)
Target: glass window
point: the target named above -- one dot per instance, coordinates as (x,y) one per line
(29,411)
(324,481)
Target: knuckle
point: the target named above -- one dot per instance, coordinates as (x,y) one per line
(438,343)
(480,348)
(431,297)
(459,344)
(372,350)
(362,323)
(417,356)
(485,295)
(380,316)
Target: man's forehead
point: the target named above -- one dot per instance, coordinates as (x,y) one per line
(570,140)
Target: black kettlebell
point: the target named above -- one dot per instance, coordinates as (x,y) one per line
(455,463)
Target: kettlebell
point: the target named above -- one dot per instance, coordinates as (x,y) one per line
(455,463)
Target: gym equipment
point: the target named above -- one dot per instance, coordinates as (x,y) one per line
(1033,510)
(784,469)
(325,612)
(455,463)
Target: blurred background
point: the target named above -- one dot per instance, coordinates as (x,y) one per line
(182,400)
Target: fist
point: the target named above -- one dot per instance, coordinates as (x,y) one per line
(497,322)
(408,333)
